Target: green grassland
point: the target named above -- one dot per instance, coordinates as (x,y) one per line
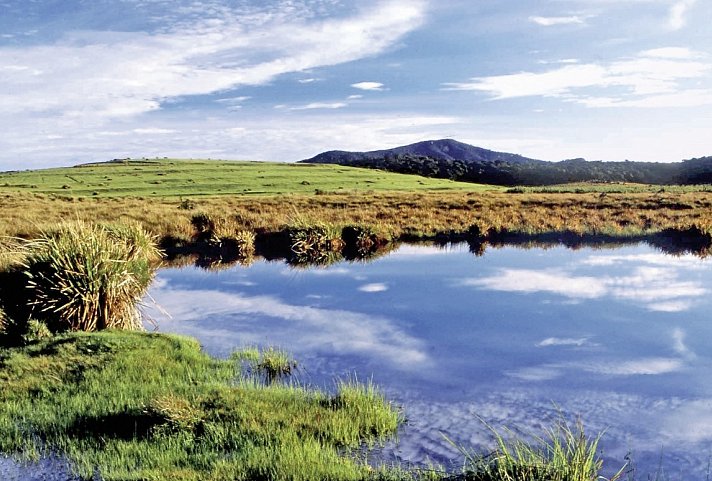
(172,177)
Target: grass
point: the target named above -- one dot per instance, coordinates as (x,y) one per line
(611,188)
(146,406)
(195,178)
(83,277)
(564,453)
(404,207)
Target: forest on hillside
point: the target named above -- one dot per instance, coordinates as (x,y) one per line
(536,172)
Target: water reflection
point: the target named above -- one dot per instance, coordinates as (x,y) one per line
(619,337)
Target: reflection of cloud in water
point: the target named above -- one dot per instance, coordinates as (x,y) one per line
(558,341)
(536,373)
(679,346)
(680,431)
(254,319)
(687,262)
(648,366)
(375,287)
(682,428)
(657,286)
(690,422)
(529,280)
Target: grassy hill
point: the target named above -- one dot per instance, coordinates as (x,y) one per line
(172,177)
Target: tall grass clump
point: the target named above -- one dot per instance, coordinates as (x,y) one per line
(564,453)
(88,277)
(314,243)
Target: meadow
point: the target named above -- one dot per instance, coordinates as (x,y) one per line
(188,178)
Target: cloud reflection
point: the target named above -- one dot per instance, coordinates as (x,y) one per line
(657,284)
(558,341)
(375,287)
(260,319)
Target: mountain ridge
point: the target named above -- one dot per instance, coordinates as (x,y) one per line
(445,149)
(448,158)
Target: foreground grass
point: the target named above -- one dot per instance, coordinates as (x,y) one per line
(187,178)
(145,406)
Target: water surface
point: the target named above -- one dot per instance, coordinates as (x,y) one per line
(517,337)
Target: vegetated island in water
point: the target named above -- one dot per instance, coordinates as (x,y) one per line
(141,406)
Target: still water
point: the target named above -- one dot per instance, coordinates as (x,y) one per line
(619,337)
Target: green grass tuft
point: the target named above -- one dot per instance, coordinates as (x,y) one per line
(565,453)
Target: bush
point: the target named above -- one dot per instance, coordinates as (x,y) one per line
(85,277)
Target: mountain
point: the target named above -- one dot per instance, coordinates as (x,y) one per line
(455,160)
(445,149)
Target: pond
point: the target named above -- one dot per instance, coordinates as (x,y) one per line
(517,337)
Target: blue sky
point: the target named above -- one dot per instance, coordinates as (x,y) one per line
(92,80)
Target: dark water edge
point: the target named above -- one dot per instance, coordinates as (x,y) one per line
(275,246)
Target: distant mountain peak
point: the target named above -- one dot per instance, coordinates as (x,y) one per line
(441,149)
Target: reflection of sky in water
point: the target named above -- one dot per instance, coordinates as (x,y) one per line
(618,337)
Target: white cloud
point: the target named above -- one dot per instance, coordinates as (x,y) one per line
(95,76)
(152,131)
(377,86)
(375,287)
(671,52)
(678,13)
(551,21)
(651,79)
(321,105)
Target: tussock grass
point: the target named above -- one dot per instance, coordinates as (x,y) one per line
(132,406)
(87,277)
(314,242)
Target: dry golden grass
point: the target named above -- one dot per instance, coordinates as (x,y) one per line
(421,214)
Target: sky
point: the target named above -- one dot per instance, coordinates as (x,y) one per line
(283,80)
